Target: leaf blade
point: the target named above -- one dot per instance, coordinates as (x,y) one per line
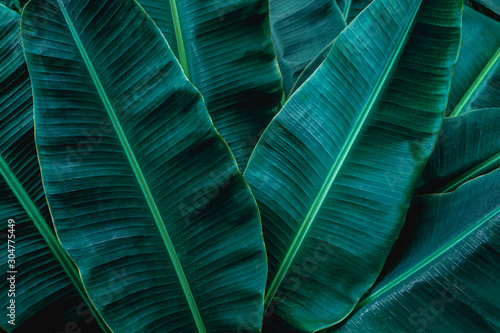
(152,154)
(321,129)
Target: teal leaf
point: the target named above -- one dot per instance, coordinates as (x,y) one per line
(145,195)
(301,29)
(226,51)
(468,146)
(476,79)
(442,274)
(335,171)
(48,294)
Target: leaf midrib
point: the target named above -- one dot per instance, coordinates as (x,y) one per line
(429,259)
(178,37)
(474,172)
(347,9)
(51,240)
(318,201)
(139,175)
(476,84)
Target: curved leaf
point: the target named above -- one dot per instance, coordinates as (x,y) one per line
(476,79)
(311,68)
(442,274)
(468,146)
(352,8)
(490,8)
(355,8)
(335,171)
(141,187)
(226,51)
(490,4)
(301,29)
(48,294)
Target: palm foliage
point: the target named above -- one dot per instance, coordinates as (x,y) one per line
(250,165)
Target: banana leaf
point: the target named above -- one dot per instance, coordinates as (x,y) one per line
(141,187)
(476,80)
(301,29)
(468,146)
(352,8)
(335,171)
(442,274)
(490,8)
(48,294)
(14,4)
(226,51)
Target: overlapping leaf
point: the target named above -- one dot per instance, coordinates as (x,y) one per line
(468,146)
(352,8)
(145,195)
(476,80)
(442,275)
(301,29)
(335,171)
(47,293)
(226,51)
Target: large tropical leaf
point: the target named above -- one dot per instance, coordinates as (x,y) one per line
(476,80)
(352,8)
(16,5)
(49,295)
(140,185)
(301,29)
(442,274)
(335,171)
(468,146)
(226,51)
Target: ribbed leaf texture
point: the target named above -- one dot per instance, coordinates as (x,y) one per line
(335,171)
(145,195)
(45,298)
(468,146)
(476,79)
(442,274)
(301,29)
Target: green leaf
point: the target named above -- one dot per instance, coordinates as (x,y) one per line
(312,66)
(145,195)
(48,294)
(335,171)
(301,29)
(468,146)
(226,51)
(442,275)
(476,79)
(352,8)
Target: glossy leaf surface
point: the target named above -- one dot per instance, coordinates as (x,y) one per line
(45,298)
(442,274)
(226,51)
(301,29)
(145,195)
(335,171)
(352,8)
(476,79)
(468,146)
